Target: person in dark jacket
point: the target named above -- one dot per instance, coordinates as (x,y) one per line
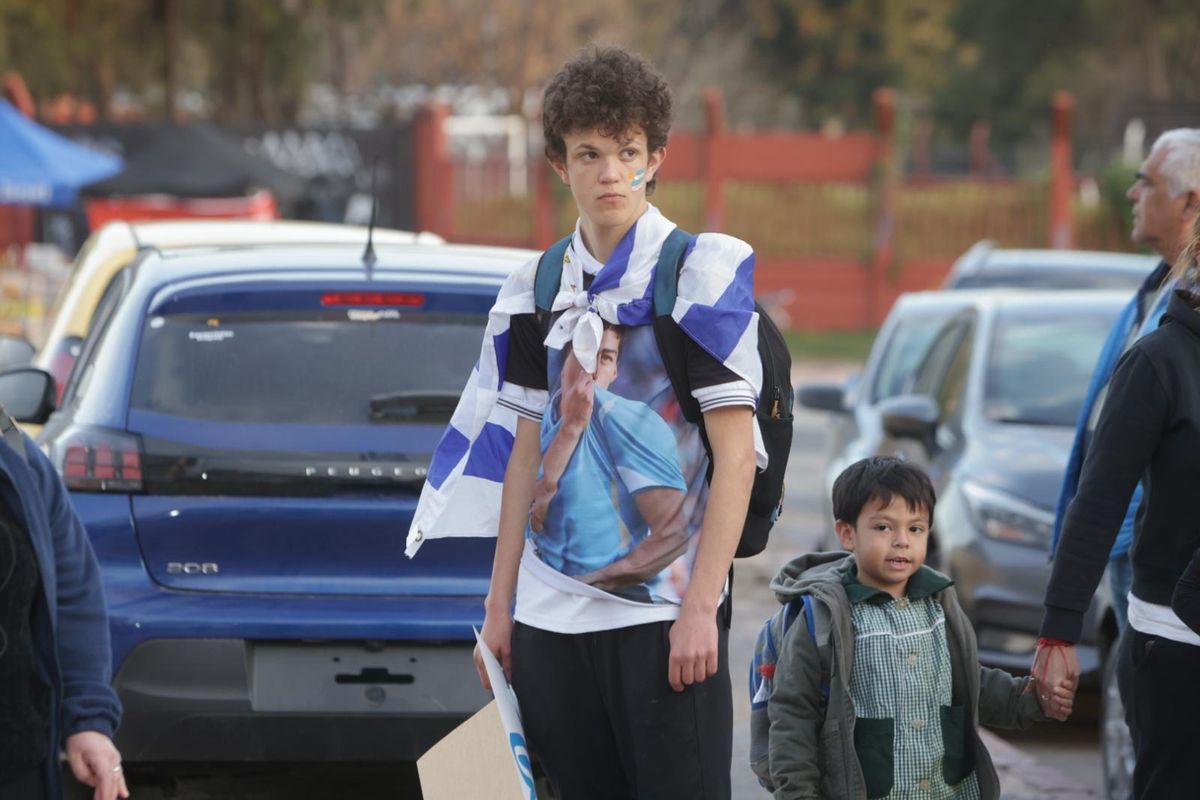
(55,655)
(1149,430)
(1164,196)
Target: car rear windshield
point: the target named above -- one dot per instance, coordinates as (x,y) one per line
(308,367)
(1040,364)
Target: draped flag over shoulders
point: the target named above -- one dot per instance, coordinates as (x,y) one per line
(714,307)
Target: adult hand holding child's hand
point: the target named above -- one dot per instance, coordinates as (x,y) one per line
(1055,677)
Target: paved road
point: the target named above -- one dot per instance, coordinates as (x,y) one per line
(1051,762)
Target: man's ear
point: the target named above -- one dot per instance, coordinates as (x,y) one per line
(561,168)
(1191,204)
(845,534)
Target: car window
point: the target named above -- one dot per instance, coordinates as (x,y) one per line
(81,372)
(1040,363)
(905,349)
(927,378)
(318,367)
(951,391)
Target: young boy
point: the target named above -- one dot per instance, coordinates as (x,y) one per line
(906,693)
(606,600)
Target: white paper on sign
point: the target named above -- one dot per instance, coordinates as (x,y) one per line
(510,715)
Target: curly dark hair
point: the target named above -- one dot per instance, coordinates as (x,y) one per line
(609,90)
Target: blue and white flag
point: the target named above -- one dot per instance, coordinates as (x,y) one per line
(714,307)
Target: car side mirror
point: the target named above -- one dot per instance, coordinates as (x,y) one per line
(27,394)
(910,416)
(823,397)
(14,352)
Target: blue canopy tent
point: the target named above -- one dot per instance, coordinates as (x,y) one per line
(40,168)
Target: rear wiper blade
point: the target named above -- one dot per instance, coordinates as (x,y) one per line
(413,405)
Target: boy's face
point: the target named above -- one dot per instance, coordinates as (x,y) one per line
(608,175)
(888,542)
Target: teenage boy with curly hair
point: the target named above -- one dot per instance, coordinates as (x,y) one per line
(621,672)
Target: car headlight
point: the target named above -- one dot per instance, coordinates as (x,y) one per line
(1006,518)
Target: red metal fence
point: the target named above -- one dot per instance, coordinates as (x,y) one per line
(837,230)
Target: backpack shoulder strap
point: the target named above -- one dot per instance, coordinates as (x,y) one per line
(12,435)
(666,273)
(549,274)
(816,619)
(667,333)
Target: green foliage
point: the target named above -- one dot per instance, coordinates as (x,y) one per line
(254,60)
(848,346)
(1114,182)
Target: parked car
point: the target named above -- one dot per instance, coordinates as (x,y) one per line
(985,266)
(245,435)
(855,428)
(111,248)
(987,402)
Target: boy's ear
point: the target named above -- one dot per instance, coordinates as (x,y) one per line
(657,157)
(845,534)
(560,168)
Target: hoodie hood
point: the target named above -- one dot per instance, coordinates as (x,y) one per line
(811,571)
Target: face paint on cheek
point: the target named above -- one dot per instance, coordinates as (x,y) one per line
(637,179)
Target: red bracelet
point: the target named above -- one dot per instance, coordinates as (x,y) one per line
(1046,641)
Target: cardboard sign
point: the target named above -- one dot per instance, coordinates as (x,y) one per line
(486,756)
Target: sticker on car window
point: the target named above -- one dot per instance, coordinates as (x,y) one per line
(371,314)
(157,322)
(210,336)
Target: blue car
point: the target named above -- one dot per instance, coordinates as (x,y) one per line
(245,436)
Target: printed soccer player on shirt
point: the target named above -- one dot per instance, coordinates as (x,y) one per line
(608,505)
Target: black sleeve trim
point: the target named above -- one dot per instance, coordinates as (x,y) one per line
(704,370)
(526,365)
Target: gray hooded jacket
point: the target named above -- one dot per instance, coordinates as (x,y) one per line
(812,755)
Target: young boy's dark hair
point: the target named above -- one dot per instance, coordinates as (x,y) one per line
(608,90)
(881,478)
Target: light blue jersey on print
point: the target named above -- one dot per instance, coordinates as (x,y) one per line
(593,519)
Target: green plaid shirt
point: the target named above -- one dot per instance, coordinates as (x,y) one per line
(901,676)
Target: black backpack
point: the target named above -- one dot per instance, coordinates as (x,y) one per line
(774,411)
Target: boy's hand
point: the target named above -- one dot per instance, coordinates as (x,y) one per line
(693,640)
(497,635)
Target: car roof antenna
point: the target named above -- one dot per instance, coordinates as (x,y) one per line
(368,256)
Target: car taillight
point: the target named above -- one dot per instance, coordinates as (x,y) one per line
(98,460)
(60,365)
(374,299)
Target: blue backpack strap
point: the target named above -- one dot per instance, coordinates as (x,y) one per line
(666,273)
(810,622)
(549,274)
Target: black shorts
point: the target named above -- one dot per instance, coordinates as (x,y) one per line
(604,723)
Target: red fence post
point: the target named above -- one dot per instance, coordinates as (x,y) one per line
(980,161)
(433,172)
(714,192)
(884,245)
(1062,233)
